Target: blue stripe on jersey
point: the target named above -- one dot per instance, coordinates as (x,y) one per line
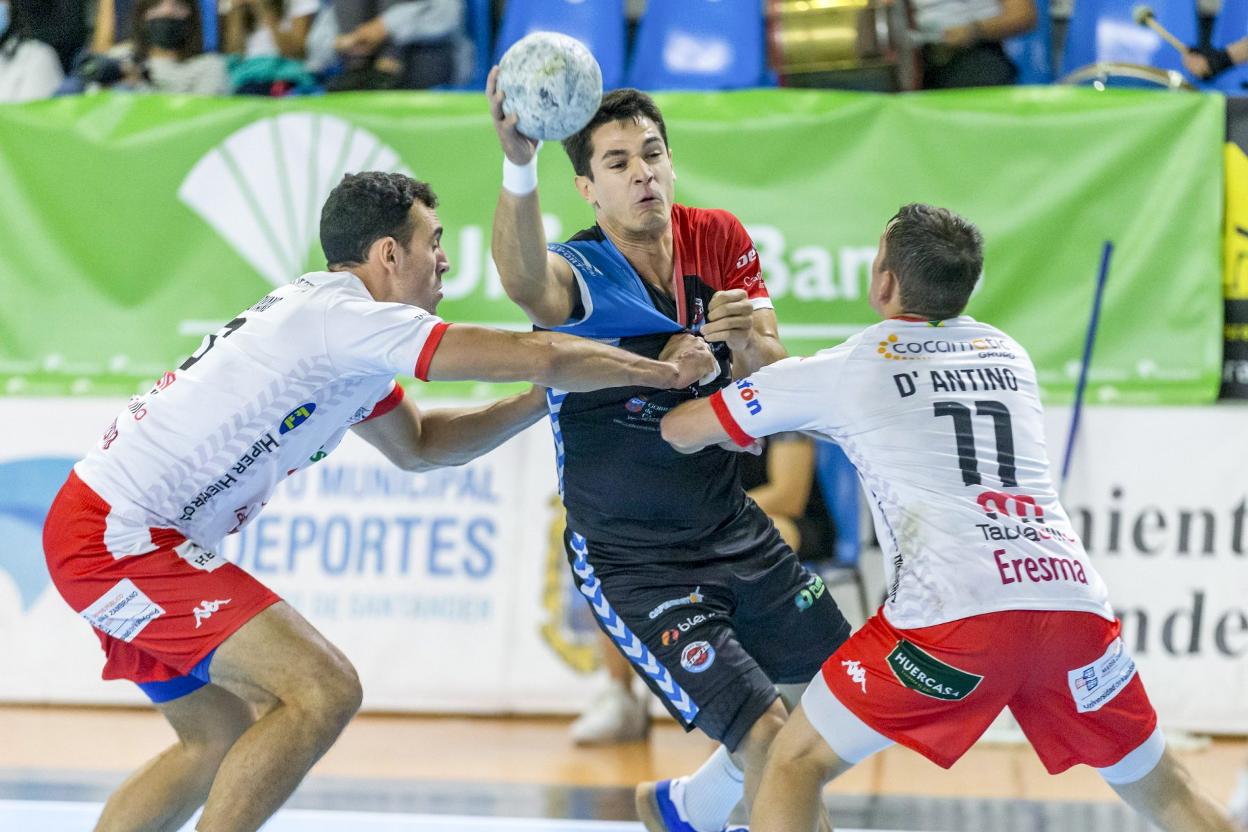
(619,304)
(629,644)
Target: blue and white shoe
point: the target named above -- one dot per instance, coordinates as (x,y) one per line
(658,811)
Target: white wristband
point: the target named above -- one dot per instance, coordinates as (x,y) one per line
(520,180)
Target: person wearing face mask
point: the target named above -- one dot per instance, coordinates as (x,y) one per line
(166,51)
(29,69)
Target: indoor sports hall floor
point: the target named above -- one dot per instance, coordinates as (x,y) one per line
(451,774)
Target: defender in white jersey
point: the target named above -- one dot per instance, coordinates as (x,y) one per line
(992,601)
(255,694)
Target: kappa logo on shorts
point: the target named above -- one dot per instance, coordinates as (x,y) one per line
(930,676)
(856,672)
(697,657)
(206,609)
(694,597)
(806,597)
(1096,684)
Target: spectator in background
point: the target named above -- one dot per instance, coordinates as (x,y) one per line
(782,481)
(267,28)
(29,69)
(166,52)
(61,24)
(390,44)
(962,40)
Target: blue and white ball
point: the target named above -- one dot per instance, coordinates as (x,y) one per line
(553,84)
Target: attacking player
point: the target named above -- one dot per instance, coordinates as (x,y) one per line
(992,601)
(685,573)
(254,692)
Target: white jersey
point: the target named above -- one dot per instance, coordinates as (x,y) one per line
(944,424)
(274,390)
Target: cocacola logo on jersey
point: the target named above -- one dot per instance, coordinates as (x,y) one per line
(297,417)
(895,349)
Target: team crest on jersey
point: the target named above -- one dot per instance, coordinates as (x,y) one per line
(697,657)
(297,417)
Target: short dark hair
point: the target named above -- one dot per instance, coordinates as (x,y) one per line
(625,104)
(365,207)
(143,44)
(937,257)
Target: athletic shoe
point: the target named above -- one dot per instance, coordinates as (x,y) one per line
(615,716)
(656,809)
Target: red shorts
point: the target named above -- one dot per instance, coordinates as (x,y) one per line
(1065,676)
(158,613)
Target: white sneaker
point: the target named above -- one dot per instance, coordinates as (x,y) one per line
(615,716)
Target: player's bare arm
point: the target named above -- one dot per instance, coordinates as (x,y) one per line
(416,440)
(752,334)
(565,362)
(540,282)
(692,426)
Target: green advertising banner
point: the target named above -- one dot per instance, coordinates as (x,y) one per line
(132,225)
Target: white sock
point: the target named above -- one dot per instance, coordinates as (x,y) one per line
(705,798)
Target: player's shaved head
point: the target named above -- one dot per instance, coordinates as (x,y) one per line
(937,257)
(625,104)
(364,208)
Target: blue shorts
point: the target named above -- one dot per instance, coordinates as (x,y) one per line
(179,686)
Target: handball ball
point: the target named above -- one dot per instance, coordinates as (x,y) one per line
(552,83)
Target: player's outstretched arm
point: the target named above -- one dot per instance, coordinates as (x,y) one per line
(692,426)
(540,282)
(421,441)
(565,362)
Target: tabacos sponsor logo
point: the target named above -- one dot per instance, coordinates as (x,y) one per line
(930,676)
(694,597)
(894,349)
(749,395)
(297,417)
(635,405)
(697,657)
(807,595)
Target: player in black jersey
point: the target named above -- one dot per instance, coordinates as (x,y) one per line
(687,575)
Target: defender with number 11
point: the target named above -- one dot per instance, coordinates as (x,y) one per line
(992,602)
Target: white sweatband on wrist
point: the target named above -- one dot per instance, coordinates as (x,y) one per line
(520,180)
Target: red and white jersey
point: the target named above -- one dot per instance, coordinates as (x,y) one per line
(275,389)
(944,424)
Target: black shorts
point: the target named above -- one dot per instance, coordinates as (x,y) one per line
(712,637)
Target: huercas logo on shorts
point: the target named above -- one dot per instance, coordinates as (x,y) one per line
(930,676)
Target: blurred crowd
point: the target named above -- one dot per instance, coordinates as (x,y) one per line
(282,47)
(258,47)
